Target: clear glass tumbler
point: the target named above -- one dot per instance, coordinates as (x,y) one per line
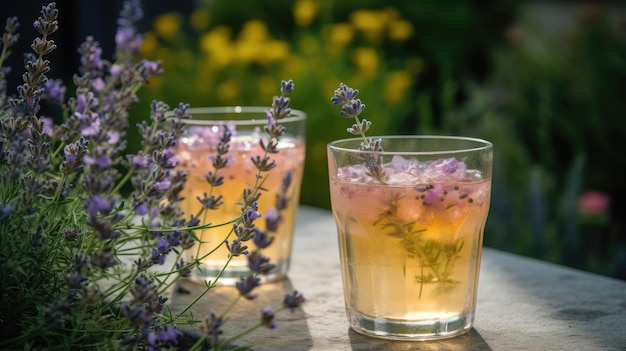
(410,223)
(196,150)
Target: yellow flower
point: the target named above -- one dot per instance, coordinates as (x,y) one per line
(304,11)
(396,86)
(149,44)
(167,25)
(370,23)
(366,60)
(400,30)
(254,30)
(217,45)
(199,19)
(248,51)
(228,91)
(297,66)
(275,51)
(250,46)
(339,34)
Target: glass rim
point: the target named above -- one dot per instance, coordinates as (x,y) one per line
(482,145)
(294,116)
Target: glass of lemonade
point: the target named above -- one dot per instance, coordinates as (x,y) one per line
(195,150)
(410,242)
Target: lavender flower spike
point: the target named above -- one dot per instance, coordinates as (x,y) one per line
(352,108)
(343,95)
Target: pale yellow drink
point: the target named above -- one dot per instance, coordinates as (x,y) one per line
(194,154)
(410,248)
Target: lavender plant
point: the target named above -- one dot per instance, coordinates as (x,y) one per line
(85,264)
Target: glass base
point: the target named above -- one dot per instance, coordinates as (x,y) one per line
(422,330)
(231,275)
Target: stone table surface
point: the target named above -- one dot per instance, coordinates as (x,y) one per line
(523,304)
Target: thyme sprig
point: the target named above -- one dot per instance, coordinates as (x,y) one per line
(436,259)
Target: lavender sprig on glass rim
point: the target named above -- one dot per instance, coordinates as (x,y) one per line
(91,236)
(352,108)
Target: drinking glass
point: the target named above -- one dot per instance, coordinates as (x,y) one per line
(196,150)
(410,223)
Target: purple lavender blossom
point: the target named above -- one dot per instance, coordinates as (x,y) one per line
(243,233)
(167,159)
(113,137)
(250,214)
(139,161)
(181,267)
(173,238)
(169,336)
(5,211)
(271,122)
(163,246)
(138,315)
(259,264)
(280,107)
(287,87)
(246,285)
(85,101)
(267,317)
(293,300)
(157,257)
(213,327)
(127,39)
(46,126)
(162,185)
(101,161)
(55,91)
(148,69)
(116,70)
(75,280)
(141,209)
(272,219)
(97,204)
(352,109)
(261,239)
(98,84)
(343,95)
(91,55)
(236,248)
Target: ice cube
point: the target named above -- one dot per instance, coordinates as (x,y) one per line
(445,169)
(402,177)
(402,164)
(351,174)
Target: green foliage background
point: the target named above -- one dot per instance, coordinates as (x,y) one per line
(550,102)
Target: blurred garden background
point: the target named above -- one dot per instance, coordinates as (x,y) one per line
(544,81)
